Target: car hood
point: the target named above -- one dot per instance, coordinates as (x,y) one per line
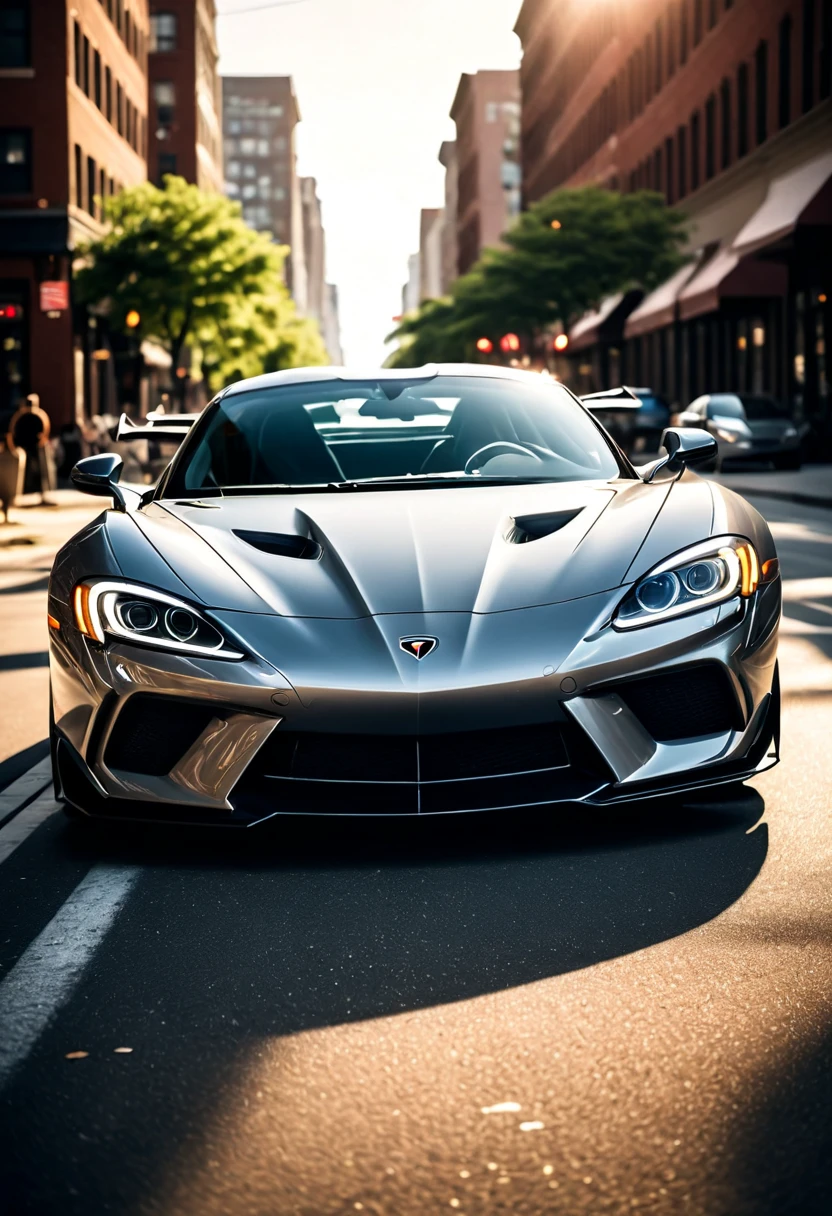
(471,549)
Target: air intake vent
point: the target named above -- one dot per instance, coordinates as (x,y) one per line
(525,528)
(683,703)
(281,544)
(152,734)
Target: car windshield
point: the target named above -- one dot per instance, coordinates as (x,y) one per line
(337,433)
(751,406)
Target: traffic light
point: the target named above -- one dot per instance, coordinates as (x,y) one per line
(132,319)
(509,343)
(485,345)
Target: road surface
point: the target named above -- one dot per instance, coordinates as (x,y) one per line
(555,1013)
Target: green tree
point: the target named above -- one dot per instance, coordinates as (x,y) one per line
(559,260)
(196,274)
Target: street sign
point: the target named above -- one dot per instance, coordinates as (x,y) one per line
(54,296)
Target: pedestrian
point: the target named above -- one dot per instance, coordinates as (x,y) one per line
(29,431)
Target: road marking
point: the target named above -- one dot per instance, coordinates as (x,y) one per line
(48,972)
(22,825)
(18,793)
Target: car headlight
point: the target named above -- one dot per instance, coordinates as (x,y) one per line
(706,574)
(150,618)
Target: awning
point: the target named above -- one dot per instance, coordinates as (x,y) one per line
(788,203)
(659,308)
(607,324)
(726,275)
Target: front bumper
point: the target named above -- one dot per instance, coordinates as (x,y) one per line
(532,707)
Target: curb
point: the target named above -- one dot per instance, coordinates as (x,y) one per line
(804,500)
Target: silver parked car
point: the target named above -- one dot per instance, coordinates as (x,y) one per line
(404,593)
(747,426)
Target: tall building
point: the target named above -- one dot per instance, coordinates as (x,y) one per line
(411,292)
(447,158)
(314,250)
(185,94)
(73,87)
(723,106)
(260,114)
(331,328)
(431,223)
(486,111)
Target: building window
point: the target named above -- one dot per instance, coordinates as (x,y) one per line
(167,165)
(682,159)
(91,185)
(164,94)
(163,32)
(85,63)
(825,48)
(761,91)
(15,49)
(710,138)
(79,177)
(695,150)
(725,107)
(108,94)
(809,49)
(78,49)
(668,170)
(671,40)
(742,110)
(15,162)
(96,78)
(697,22)
(784,73)
(102,185)
(658,177)
(683,31)
(658,42)
(712,14)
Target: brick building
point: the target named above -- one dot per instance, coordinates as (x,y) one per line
(723,106)
(486,111)
(73,86)
(185,108)
(260,114)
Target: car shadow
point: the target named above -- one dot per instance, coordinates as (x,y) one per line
(231,939)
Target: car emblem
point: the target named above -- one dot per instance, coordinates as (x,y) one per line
(419,648)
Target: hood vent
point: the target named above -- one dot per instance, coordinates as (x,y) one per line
(525,528)
(281,544)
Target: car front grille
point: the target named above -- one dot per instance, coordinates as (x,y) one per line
(311,773)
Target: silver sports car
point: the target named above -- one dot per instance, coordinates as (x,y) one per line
(407,593)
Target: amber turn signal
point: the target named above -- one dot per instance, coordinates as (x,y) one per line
(750,568)
(52,621)
(81,606)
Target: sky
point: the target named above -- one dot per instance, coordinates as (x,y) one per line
(375,80)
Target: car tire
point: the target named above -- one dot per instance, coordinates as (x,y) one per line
(792,462)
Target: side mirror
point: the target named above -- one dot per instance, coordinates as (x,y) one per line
(683,447)
(100,475)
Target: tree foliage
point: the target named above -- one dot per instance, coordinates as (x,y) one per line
(198,276)
(558,261)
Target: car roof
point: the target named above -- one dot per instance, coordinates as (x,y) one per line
(309,375)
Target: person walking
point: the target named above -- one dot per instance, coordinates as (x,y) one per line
(29,431)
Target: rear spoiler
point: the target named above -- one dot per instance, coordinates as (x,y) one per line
(161,427)
(622,398)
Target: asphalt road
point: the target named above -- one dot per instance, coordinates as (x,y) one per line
(559,1013)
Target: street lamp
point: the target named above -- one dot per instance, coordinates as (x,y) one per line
(133,319)
(561,342)
(485,345)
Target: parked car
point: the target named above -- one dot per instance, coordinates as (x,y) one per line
(635,417)
(747,426)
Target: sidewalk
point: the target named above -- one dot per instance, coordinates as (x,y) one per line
(811,485)
(31,524)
